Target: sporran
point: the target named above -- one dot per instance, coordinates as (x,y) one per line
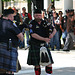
(44,56)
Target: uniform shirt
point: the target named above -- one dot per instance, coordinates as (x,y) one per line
(44,29)
(8,30)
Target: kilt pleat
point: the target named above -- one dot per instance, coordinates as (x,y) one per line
(34,55)
(8,59)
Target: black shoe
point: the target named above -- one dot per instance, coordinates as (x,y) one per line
(52,49)
(66,50)
(26,48)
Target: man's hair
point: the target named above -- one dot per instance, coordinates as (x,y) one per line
(60,12)
(37,11)
(67,11)
(23,8)
(53,7)
(6,12)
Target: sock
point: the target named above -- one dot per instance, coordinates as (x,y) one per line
(48,70)
(37,71)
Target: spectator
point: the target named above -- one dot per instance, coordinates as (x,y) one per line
(64,34)
(26,17)
(70,39)
(60,24)
(17,17)
(44,15)
(55,40)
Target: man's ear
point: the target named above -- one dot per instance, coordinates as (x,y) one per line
(34,15)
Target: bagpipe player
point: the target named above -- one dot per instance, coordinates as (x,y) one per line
(40,33)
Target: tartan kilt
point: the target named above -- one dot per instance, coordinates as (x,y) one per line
(8,59)
(34,55)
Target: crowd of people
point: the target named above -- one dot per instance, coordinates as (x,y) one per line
(44,32)
(64,25)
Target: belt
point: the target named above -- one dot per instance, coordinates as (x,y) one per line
(5,44)
(38,44)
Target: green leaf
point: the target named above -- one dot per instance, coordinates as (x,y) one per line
(52,0)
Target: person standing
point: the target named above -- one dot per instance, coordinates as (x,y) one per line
(8,43)
(40,33)
(65,18)
(26,17)
(17,17)
(60,26)
(55,40)
(70,39)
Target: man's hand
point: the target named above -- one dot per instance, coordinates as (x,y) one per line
(51,36)
(47,40)
(53,33)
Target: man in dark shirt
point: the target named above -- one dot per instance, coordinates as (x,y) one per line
(26,17)
(40,32)
(70,39)
(9,33)
(65,18)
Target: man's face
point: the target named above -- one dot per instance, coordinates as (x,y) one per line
(72,18)
(54,14)
(24,10)
(67,14)
(72,13)
(38,17)
(11,17)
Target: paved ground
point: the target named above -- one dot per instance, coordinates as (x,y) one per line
(64,63)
